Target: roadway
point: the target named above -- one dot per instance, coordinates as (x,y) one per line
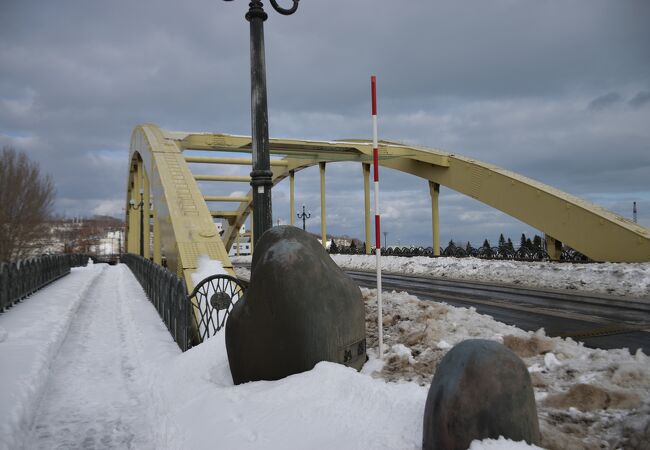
(599,321)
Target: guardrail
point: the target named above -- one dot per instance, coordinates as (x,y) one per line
(20,279)
(504,253)
(167,293)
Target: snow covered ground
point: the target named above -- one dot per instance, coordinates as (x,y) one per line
(31,334)
(604,278)
(586,398)
(86,362)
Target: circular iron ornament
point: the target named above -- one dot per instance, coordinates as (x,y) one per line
(212,299)
(220,300)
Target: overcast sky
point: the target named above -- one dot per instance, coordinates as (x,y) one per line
(558,91)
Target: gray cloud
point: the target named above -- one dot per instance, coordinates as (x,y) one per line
(503,82)
(640,99)
(605,101)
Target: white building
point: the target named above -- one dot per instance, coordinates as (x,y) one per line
(110,244)
(241,246)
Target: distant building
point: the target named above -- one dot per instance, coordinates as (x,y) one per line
(342,241)
(111,244)
(241,246)
(244,249)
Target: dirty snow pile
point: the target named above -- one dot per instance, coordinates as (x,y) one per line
(586,398)
(626,279)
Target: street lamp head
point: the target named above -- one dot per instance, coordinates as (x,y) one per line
(278,8)
(284,11)
(132,203)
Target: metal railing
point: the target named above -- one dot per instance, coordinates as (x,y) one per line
(20,279)
(168,294)
(503,253)
(212,300)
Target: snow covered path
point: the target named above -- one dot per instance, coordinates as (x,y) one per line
(91,399)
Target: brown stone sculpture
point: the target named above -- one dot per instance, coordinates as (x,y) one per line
(300,309)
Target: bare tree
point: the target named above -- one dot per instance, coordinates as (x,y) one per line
(26,199)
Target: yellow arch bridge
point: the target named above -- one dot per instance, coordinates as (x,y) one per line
(183,223)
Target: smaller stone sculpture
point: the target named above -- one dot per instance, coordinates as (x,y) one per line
(480,390)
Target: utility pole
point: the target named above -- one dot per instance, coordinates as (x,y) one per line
(634,212)
(385,234)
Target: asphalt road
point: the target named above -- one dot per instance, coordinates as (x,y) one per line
(597,320)
(600,321)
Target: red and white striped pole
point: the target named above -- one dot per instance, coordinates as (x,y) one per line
(375,158)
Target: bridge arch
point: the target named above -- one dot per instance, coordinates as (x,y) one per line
(186,228)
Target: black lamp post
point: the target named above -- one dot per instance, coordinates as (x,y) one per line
(261,176)
(303,216)
(140,207)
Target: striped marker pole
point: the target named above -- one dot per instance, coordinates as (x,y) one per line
(375,158)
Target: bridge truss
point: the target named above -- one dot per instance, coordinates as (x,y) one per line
(179,225)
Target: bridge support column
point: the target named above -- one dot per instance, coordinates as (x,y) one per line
(146,234)
(553,247)
(434,190)
(366,203)
(323,214)
(157,251)
(133,235)
(292,209)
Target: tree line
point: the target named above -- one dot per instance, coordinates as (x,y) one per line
(27,224)
(26,200)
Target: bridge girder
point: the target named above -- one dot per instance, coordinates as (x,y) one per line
(590,229)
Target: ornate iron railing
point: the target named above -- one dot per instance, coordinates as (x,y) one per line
(189,318)
(212,300)
(168,293)
(20,279)
(507,253)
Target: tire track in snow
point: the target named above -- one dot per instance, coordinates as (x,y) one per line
(91,400)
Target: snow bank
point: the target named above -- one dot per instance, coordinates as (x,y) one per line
(31,334)
(627,279)
(631,279)
(329,406)
(586,398)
